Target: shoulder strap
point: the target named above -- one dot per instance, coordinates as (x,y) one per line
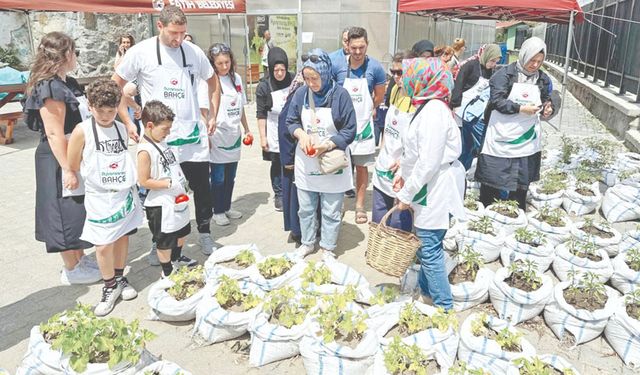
(157,148)
(184,58)
(419,110)
(95,135)
(312,105)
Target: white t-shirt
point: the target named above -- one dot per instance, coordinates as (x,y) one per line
(141,61)
(227,87)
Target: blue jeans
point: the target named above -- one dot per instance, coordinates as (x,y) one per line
(331,208)
(223,177)
(433,278)
(472,134)
(382,203)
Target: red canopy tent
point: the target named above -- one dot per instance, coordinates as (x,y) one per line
(128,6)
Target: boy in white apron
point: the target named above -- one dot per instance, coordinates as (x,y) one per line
(167,204)
(98,149)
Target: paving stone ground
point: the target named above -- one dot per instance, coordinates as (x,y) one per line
(31,291)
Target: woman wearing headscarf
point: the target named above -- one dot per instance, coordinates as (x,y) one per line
(271,95)
(511,152)
(321,118)
(470,97)
(431,179)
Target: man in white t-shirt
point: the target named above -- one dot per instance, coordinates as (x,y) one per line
(167,68)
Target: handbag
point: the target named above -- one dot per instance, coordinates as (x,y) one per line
(331,161)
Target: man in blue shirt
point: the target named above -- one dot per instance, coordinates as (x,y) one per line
(340,55)
(364,78)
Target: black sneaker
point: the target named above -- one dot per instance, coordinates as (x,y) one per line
(277,203)
(184,261)
(108,300)
(350,193)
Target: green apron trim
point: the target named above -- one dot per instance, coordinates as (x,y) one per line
(421,197)
(367,133)
(234,146)
(388,175)
(529,135)
(317,173)
(192,138)
(121,214)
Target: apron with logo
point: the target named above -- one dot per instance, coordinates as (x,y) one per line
(516,135)
(358,88)
(307,169)
(474,100)
(175,88)
(112,203)
(226,141)
(395,125)
(278,99)
(175,216)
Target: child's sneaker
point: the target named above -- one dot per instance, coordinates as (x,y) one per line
(184,261)
(233,214)
(206,243)
(221,219)
(108,300)
(80,275)
(128,292)
(152,258)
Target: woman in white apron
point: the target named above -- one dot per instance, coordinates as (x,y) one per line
(54,105)
(387,164)
(431,181)
(98,148)
(511,152)
(322,119)
(226,141)
(167,204)
(271,95)
(470,97)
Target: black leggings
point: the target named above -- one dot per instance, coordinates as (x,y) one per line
(488,195)
(197,173)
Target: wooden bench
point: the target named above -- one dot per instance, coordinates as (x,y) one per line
(9,120)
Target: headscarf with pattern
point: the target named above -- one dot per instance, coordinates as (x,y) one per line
(425,79)
(323,67)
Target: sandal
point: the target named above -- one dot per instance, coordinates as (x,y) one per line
(361,216)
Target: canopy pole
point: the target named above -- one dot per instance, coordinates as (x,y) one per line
(566,67)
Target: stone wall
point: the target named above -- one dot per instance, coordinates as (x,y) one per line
(95,35)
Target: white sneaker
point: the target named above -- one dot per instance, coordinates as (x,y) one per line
(184,261)
(128,292)
(304,250)
(89,262)
(152,258)
(328,255)
(233,214)
(206,243)
(80,275)
(108,300)
(221,219)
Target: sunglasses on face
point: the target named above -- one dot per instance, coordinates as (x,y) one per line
(314,58)
(220,49)
(395,72)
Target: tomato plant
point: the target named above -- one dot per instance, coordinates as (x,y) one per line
(400,358)
(384,295)
(188,281)
(245,258)
(288,308)
(482,225)
(316,273)
(274,266)
(229,294)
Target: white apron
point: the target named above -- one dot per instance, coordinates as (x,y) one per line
(174,216)
(278,99)
(474,100)
(307,169)
(175,88)
(395,125)
(516,135)
(112,203)
(226,141)
(358,88)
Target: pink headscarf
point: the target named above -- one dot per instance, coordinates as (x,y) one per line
(426,78)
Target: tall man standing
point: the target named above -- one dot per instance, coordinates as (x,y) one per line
(166,68)
(364,78)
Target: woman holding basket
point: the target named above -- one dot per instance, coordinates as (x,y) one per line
(431,179)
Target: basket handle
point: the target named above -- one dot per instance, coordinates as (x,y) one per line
(386,216)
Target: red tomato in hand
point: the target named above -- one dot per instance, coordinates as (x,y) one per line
(311,150)
(248,140)
(182,198)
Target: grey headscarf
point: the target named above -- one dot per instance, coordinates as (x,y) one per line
(530,48)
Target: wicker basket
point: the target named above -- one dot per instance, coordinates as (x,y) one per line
(390,250)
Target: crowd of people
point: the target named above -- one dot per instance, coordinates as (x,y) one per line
(316,131)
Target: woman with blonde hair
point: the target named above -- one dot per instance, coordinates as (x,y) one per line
(54,105)
(459,46)
(445,53)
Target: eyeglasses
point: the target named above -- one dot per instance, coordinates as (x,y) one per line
(220,48)
(314,58)
(77,53)
(395,72)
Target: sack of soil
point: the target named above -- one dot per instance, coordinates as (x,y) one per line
(507,215)
(594,260)
(621,203)
(517,299)
(483,236)
(549,364)
(334,277)
(542,255)
(555,225)
(431,360)
(601,234)
(40,358)
(420,324)
(449,242)
(625,162)
(540,199)
(630,239)
(469,281)
(480,349)
(625,278)
(235,261)
(168,308)
(473,208)
(585,322)
(123,368)
(623,330)
(276,271)
(581,200)
(163,368)
(216,321)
